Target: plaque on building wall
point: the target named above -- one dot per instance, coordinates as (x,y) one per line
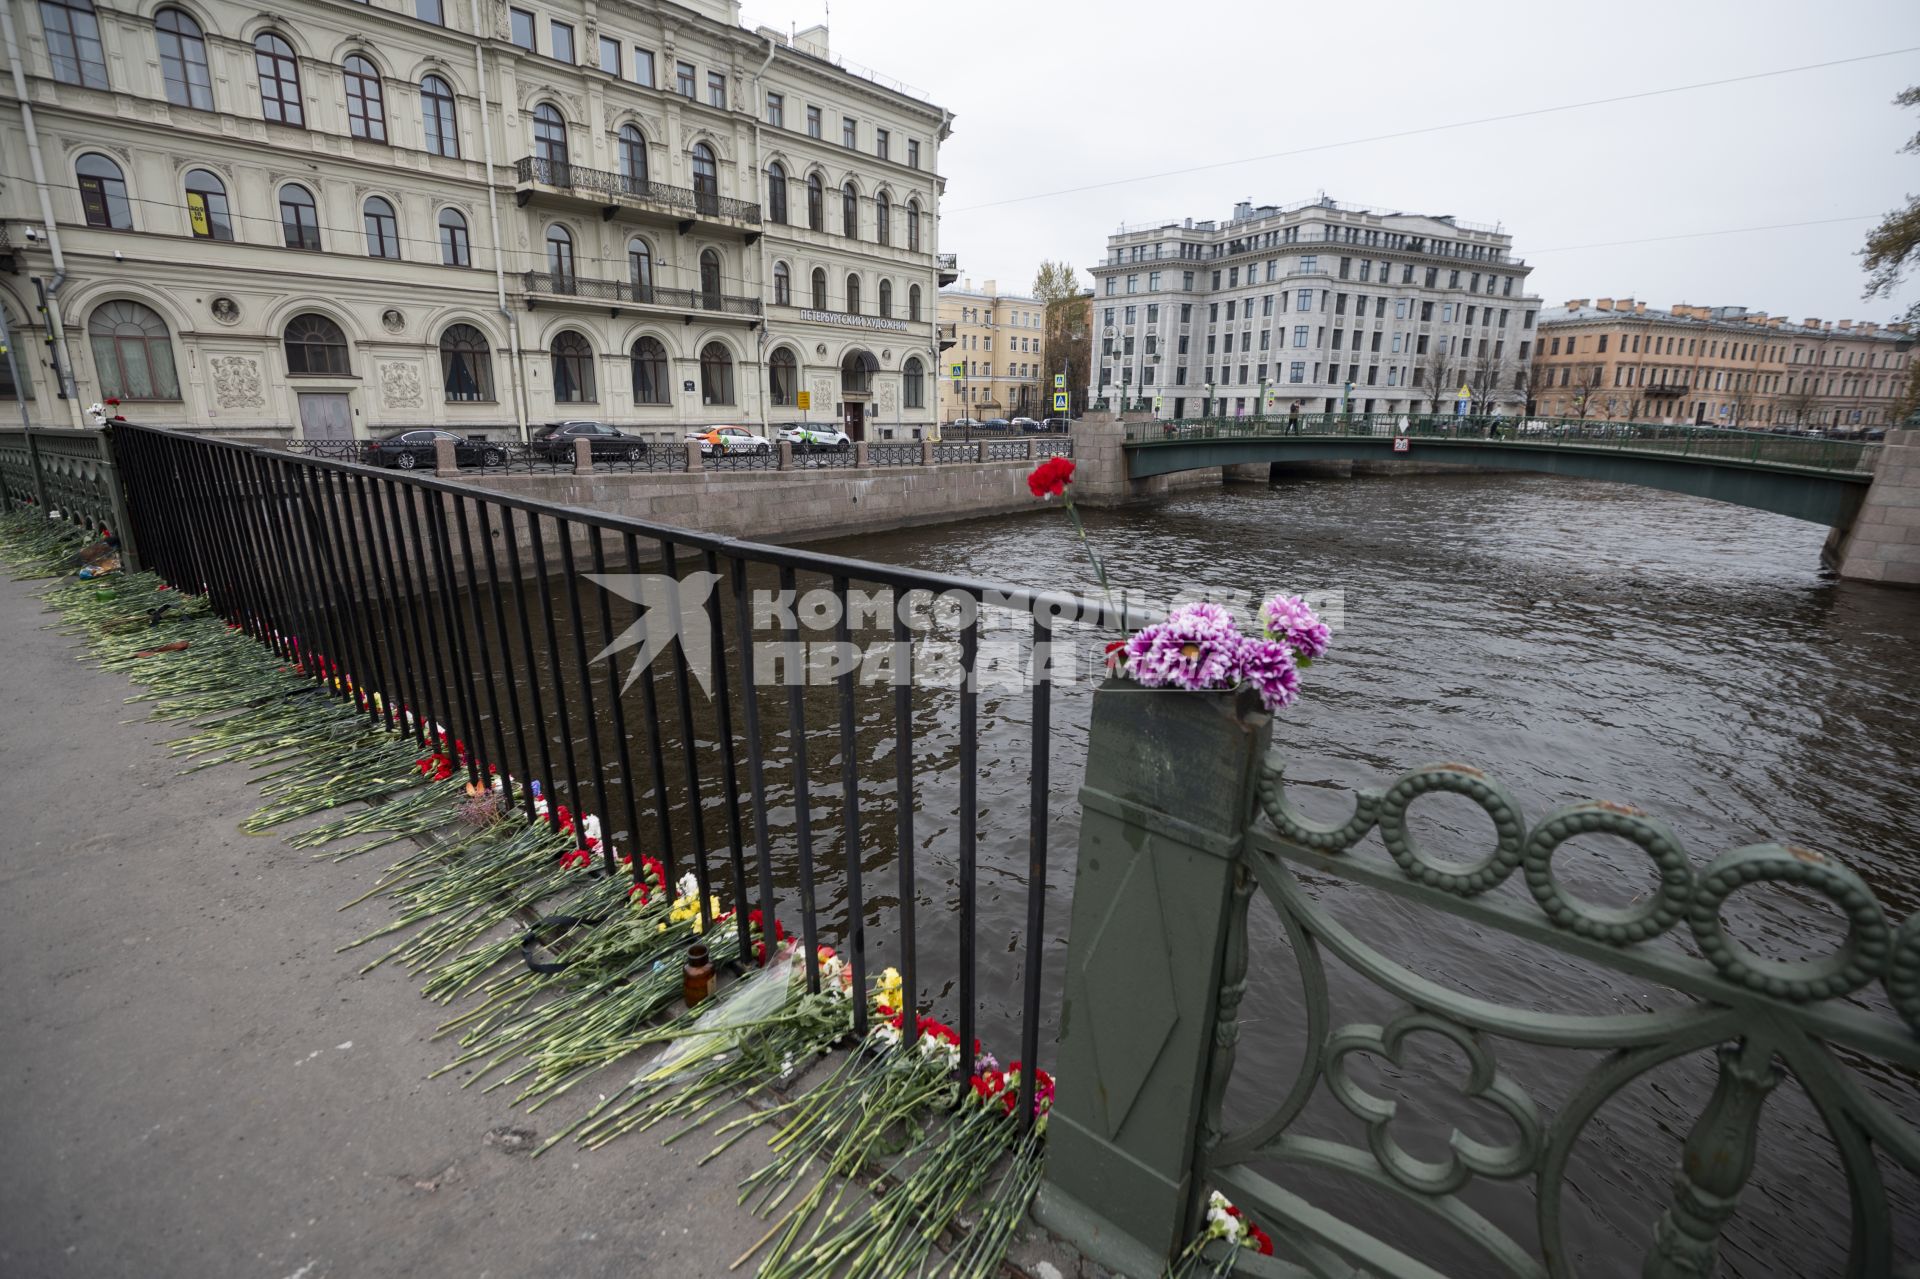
(226,310)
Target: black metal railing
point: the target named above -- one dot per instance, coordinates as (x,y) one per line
(687,201)
(1058,446)
(560,285)
(405,584)
(893,454)
(1006,450)
(814,459)
(956,451)
(755,461)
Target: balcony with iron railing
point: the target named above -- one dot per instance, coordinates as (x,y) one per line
(537,178)
(949,266)
(949,335)
(578,290)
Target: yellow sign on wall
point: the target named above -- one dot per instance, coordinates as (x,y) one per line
(197,214)
(803,399)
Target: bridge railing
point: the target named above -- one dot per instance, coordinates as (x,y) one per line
(745,746)
(1690,441)
(69,475)
(1669,1075)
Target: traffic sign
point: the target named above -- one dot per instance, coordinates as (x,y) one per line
(1400,444)
(803,400)
(958,371)
(1158,404)
(1059,381)
(1060,402)
(1463,393)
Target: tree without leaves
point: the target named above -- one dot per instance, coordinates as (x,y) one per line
(1436,372)
(1895,243)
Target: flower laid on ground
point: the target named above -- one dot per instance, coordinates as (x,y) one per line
(1223,1223)
(886,991)
(1201,648)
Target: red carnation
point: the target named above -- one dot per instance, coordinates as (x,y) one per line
(1051,477)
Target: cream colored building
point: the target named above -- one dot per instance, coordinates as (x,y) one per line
(346,218)
(1717,366)
(997,344)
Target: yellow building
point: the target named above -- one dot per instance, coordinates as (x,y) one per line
(997,341)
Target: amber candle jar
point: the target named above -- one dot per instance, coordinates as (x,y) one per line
(696,983)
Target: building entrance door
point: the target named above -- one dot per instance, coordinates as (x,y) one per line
(854,419)
(325,415)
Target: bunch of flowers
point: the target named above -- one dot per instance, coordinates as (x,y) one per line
(886,993)
(1225,1224)
(1200,647)
(836,978)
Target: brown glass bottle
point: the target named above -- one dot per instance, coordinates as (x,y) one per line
(696,983)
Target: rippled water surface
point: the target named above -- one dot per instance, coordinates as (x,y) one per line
(1574,640)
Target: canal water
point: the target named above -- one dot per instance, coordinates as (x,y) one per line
(1576,641)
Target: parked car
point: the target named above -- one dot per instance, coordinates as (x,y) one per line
(1027,424)
(554,441)
(1061,424)
(963,423)
(729,439)
(410,449)
(807,438)
(996,424)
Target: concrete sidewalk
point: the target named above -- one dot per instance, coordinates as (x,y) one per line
(193,1083)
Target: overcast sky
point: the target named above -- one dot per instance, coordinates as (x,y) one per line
(1049,96)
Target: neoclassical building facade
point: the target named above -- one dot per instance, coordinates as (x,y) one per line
(340,218)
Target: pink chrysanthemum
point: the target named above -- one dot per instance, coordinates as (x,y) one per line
(1196,648)
(1288,619)
(1268,665)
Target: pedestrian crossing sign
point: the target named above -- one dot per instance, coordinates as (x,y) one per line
(1059,381)
(1059,401)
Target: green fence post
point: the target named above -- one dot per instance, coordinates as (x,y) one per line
(1168,796)
(39,476)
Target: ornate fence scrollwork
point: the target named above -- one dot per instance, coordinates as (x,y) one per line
(68,474)
(1764,1019)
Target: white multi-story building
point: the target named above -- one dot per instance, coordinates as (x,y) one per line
(340,217)
(1315,308)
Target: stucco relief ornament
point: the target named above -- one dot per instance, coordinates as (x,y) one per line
(226,310)
(400,386)
(886,354)
(392,320)
(236,382)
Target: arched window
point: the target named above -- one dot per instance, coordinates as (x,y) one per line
(633,159)
(455,249)
(550,145)
(560,258)
(316,347)
(366,108)
(207,211)
(913,226)
(850,212)
(783,377)
(437,110)
(882,219)
(853,294)
(103,192)
(716,374)
(572,369)
(383,228)
(299,219)
(183,60)
(710,279)
(782,285)
(856,372)
(706,180)
(650,372)
(466,365)
(819,288)
(279,80)
(886,299)
(132,353)
(776,192)
(913,302)
(913,384)
(816,203)
(640,269)
(73,42)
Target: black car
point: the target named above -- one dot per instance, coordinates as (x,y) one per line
(411,449)
(554,441)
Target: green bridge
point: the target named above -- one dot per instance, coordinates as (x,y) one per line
(1820,480)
